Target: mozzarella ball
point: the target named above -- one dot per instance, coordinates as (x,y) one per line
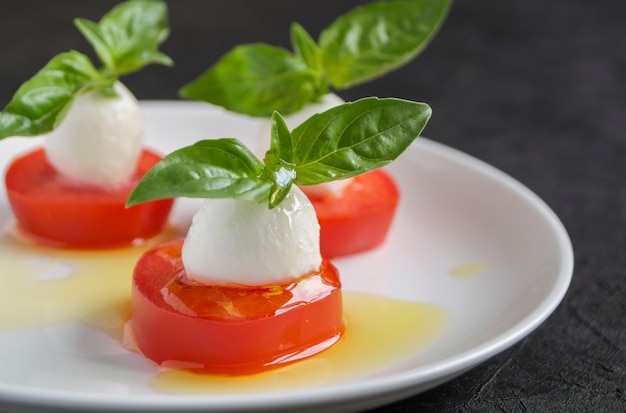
(100,139)
(242,243)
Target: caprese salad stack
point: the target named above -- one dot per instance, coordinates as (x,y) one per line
(248,289)
(72,191)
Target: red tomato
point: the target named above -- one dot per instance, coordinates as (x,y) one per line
(57,212)
(358,218)
(179,323)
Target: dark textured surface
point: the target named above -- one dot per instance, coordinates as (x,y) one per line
(536,88)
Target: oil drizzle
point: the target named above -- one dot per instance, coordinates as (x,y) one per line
(41,286)
(380,331)
(469,270)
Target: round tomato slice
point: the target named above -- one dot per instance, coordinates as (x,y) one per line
(358,219)
(55,211)
(178,323)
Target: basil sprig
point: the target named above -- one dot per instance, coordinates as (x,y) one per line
(340,143)
(125,40)
(367,42)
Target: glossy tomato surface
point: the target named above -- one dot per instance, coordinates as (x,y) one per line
(55,211)
(178,323)
(357,219)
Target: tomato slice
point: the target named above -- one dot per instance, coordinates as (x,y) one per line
(358,219)
(55,211)
(178,323)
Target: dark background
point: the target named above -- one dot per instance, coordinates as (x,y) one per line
(536,88)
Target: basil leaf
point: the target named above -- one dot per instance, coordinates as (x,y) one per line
(339,143)
(281,148)
(354,138)
(281,145)
(365,43)
(372,40)
(127,38)
(305,47)
(222,168)
(39,103)
(256,79)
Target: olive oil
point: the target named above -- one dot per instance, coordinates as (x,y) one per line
(41,286)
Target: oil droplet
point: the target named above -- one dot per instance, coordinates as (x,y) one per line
(469,270)
(380,331)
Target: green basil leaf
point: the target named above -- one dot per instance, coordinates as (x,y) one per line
(127,38)
(39,103)
(281,147)
(222,168)
(339,143)
(305,47)
(374,39)
(256,79)
(354,138)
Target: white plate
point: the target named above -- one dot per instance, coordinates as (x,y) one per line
(455,210)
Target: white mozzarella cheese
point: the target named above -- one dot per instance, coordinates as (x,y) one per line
(236,242)
(100,139)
